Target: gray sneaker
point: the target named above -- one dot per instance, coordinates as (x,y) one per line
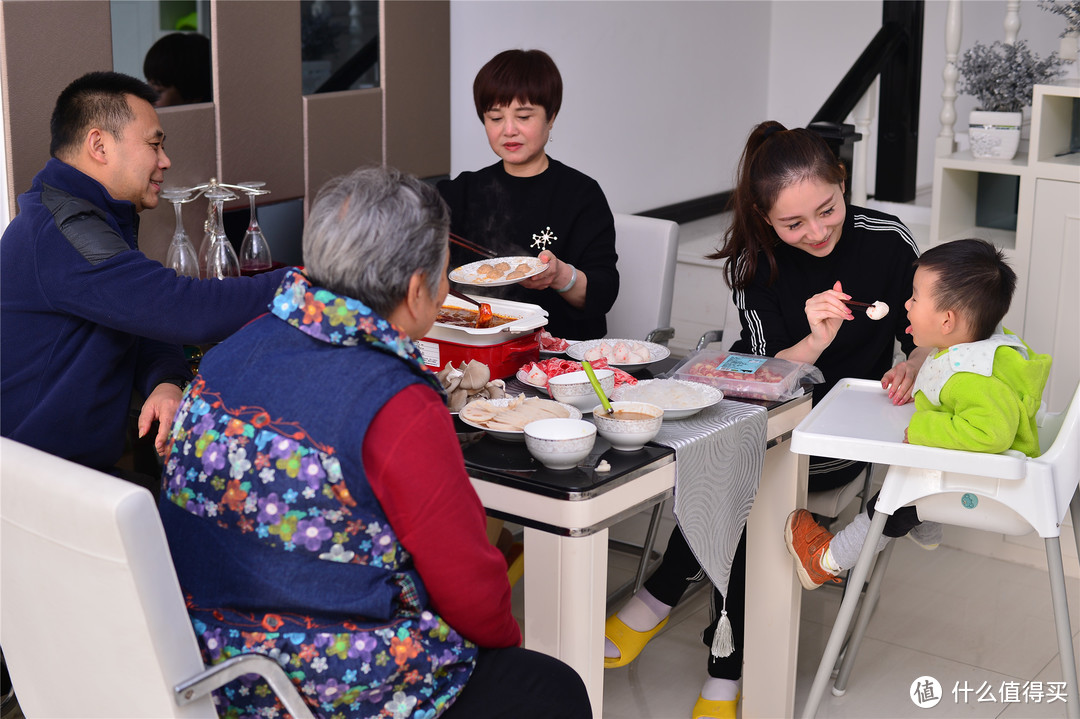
(927,535)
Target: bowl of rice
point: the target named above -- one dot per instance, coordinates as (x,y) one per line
(678,398)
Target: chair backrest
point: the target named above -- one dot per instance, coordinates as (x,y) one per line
(647,249)
(1059,437)
(1039,500)
(92,620)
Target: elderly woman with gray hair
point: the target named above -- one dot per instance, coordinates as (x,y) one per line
(315,497)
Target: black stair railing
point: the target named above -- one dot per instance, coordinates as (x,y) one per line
(895,53)
(353,68)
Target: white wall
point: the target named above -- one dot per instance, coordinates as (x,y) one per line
(660,94)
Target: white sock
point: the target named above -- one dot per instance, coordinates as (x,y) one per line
(829,564)
(641,613)
(720,690)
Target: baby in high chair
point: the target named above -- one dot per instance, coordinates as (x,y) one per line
(978,391)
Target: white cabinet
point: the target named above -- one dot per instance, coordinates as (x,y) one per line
(1044,248)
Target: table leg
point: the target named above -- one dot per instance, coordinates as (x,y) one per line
(565,589)
(773,592)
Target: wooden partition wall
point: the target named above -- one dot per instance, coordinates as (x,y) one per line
(259,126)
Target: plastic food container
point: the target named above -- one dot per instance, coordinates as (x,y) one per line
(503,348)
(743,375)
(526,318)
(502,359)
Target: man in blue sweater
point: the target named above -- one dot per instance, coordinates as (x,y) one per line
(85,317)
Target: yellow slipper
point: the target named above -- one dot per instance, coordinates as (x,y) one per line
(515,563)
(628,642)
(715,708)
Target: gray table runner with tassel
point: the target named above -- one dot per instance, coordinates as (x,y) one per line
(719,455)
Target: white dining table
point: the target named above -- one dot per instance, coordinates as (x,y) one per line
(566,554)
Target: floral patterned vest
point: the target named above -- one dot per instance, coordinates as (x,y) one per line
(280,545)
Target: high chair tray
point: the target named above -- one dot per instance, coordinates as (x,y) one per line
(857,420)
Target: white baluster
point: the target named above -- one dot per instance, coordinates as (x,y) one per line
(1012,21)
(864,116)
(946,139)
(354,17)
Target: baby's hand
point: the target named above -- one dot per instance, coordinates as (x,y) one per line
(900,381)
(905,436)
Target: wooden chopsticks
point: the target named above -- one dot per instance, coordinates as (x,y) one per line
(853,303)
(472,246)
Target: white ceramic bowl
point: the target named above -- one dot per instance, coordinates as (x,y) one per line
(574,388)
(560,443)
(628,434)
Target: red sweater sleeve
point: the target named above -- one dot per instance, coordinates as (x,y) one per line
(414,466)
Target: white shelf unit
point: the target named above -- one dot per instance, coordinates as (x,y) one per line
(1044,250)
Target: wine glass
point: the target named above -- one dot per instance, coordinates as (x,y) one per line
(209,226)
(221,261)
(254,250)
(181,256)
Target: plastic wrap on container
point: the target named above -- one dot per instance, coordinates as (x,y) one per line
(745,375)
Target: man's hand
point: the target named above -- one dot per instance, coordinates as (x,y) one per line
(161,406)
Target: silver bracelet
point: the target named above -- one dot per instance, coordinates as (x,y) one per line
(570,284)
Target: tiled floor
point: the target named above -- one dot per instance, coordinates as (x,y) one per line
(955,616)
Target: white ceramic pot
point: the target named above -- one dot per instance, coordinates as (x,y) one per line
(994,135)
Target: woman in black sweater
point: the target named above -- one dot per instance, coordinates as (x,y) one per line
(795,252)
(529,203)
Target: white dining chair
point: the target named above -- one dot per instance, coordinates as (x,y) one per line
(997,493)
(92,620)
(648,251)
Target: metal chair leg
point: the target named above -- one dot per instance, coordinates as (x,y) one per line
(1061,622)
(1074,512)
(646,549)
(844,617)
(869,604)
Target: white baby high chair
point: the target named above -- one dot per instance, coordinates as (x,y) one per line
(995,492)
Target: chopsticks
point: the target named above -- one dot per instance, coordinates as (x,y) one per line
(463,296)
(853,303)
(483,309)
(472,246)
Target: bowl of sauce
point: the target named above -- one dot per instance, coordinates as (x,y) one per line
(629,425)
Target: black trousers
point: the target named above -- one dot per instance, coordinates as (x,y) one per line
(902,521)
(516,683)
(679,570)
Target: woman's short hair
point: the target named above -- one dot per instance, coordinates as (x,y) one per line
(369,231)
(972,279)
(528,76)
(97,99)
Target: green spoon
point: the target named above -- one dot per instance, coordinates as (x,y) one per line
(596,385)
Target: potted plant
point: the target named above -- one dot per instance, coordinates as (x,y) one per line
(1002,78)
(1070,36)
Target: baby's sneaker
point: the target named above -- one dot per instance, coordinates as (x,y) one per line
(807,542)
(927,535)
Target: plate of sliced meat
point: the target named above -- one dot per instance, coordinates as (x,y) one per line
(505,418)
